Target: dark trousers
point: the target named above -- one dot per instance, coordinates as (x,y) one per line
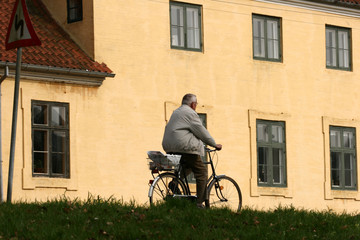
(193,163)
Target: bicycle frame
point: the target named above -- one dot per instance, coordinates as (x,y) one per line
(214,184)
(214,177)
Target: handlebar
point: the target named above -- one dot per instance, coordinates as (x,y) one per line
(210,150)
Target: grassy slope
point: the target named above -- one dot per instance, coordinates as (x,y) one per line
(112,219)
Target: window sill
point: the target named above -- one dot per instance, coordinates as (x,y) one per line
(339,69)
(331,194)
(268,60)
(196,50)
(271,191)
(31,182)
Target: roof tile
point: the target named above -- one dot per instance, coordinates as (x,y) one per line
(350,1)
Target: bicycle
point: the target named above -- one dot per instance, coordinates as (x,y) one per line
(222,191)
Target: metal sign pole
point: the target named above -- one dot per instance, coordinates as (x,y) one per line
(14,123)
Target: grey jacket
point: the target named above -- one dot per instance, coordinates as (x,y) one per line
(185,133)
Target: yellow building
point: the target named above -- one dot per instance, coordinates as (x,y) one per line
(276,79)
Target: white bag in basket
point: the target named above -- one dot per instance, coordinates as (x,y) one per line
(164,159)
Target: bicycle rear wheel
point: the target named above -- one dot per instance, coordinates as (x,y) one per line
(224,192)
(166,185)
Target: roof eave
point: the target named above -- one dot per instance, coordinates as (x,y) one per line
(58,74)
(337,3)
(328,6)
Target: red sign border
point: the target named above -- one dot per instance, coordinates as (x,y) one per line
(33,41)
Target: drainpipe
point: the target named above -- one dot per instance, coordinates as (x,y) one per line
(6,74)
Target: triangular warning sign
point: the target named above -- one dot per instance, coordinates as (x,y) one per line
(20,32)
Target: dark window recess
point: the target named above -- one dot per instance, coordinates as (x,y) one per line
(74,11)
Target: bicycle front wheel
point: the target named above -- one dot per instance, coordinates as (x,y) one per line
(166,185)
(224,192)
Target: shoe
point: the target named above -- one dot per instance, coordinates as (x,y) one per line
(200,206)
(174,188)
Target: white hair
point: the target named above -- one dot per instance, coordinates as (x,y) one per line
(188,99)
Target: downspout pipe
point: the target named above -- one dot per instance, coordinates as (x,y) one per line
(6,74)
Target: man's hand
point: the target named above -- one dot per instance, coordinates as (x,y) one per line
(218,147)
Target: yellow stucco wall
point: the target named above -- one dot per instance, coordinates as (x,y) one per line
(113,126)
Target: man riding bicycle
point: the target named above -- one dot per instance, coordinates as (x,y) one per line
(185,135)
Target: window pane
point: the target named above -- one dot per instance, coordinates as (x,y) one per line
(40,148)
(177,16)
(258,37)
(272,38)
(349,170)
(335,168)
(40,141)
(348,161)
(341,58)
(348,139)
(343,37)
(74,10)
(344,58)
(278,168)
(193,33)
(40,114)
(177,38)
(258,28)
(58,116)
(40,162)
(330,38)
(343,40)
(58,141)
(331,47)
(273,49)
(335,138)
(277,134)
(262,132)
(58,152)
(272,29)
(75,13)
(259,47)
(74,3)
(335,160)
(58,163)
(177,26)
(335,178)
(263,155)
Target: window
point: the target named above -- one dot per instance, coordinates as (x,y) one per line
(50,139)
(338,53)
(271,164)
(343,158)
(185,26)
(74,11)
(266,38)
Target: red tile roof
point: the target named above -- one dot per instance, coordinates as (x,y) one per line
(57,48)
(350,1)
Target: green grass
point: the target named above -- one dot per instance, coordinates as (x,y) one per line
(99,218)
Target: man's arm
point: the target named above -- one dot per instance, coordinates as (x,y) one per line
(201,132)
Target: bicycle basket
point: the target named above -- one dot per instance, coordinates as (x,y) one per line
(163,161)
